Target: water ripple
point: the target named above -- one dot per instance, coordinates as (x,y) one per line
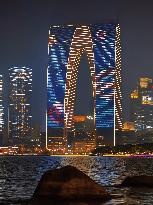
(19,176)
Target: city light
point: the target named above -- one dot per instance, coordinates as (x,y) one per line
(20,96)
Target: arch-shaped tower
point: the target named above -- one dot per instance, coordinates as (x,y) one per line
(81,42)
(101,44)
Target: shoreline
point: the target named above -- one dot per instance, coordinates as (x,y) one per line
(105,155)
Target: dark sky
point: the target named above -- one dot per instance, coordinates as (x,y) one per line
(24,28)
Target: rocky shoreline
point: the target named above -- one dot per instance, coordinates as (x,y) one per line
(70,186)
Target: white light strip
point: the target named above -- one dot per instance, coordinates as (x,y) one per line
(46,130)
(114,119)
(46,113)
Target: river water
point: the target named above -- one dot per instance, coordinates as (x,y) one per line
(19,176)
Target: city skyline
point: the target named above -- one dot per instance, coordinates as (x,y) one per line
(28,44)
(76,102)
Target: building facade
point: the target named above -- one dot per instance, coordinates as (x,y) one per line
(142,105)
(101,44)
(84,127)
(1,110)
(20,96)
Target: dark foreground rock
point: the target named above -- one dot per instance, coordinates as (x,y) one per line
(68,184)
(138,181)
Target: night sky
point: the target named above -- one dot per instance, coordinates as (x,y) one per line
(24,26)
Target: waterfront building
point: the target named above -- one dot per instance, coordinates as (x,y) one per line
(101,44)
(83,147)
(20,97)
(128,133)
(1,111)
(9,150)
(84,127)
(84,130)
(35,136)
(56,145)
(134,105)
(145,136)
(128,126)
(100,141)
(142,105)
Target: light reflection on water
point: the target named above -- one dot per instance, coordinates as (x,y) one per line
(19,176)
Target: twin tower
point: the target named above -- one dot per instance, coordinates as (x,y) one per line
(101,44)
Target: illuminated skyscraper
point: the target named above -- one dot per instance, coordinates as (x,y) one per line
(20,105)
(101,44)
(1,110)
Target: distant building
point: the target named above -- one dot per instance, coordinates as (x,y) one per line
(127,135)
(1,111)
(145,82)
(56,145)
(20,97)
(84,131)
(142,105)
(83,147)
(84,127)
(43,140)
(134,105)
(128,126)
(35,136)
(9,150)
(5,136)
(36,131)
(100,141)
(144,136)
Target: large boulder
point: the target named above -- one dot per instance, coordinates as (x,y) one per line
(69,184)
(138,181)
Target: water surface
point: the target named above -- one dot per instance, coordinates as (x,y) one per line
(19,176)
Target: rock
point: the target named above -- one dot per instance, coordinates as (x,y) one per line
(138,181)
(69,184)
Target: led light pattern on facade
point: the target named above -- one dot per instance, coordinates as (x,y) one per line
(104,54)
(58,52)
(1,104)
(81,42)
(101,44)
(118,96)
(20,116)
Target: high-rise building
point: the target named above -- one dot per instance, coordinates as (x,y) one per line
(134,104)
(101,44)
(20,96)
(1,110)
(142,105)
